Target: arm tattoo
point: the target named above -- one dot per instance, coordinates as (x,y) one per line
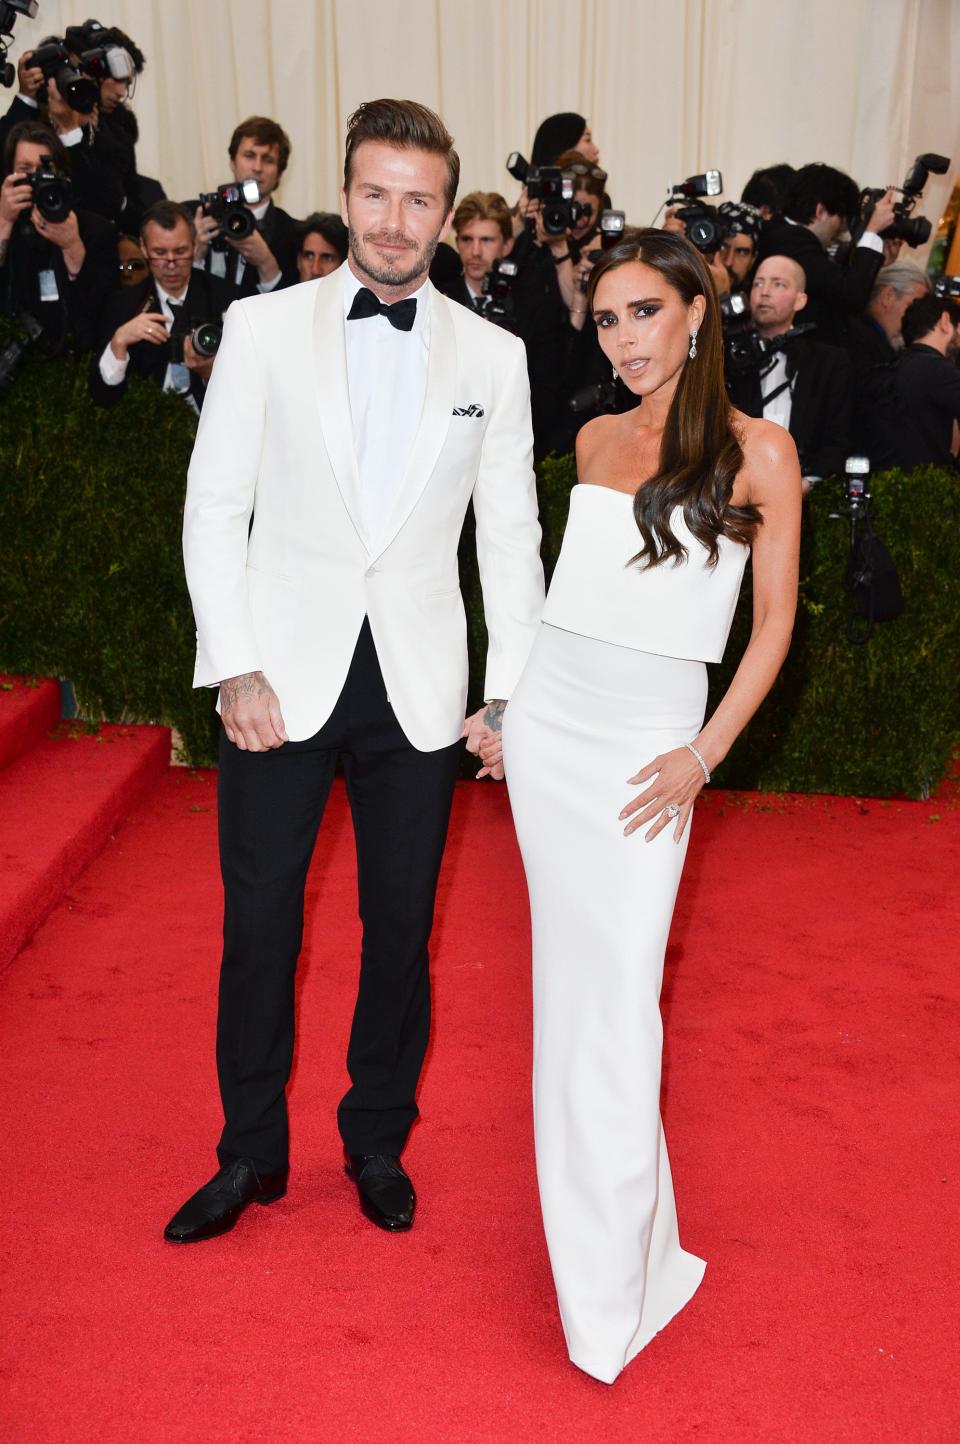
(493,715)
(242,688)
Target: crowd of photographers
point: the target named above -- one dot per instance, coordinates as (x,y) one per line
(847,343)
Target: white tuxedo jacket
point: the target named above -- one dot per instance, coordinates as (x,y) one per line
(276,443)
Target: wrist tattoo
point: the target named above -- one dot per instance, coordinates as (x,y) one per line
(241,689)
(493,715)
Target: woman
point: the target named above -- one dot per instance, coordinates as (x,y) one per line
(671,496)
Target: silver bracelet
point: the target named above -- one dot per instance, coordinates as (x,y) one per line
(706,770)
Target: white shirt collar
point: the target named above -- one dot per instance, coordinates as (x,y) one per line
(164,295)
(261,210)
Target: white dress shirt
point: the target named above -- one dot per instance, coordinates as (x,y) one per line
(779,408)
(387,380)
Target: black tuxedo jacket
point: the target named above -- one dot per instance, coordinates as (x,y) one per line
(835,292)
(281,233)
(928,393)
(820,408)
(207,299)
(77,312)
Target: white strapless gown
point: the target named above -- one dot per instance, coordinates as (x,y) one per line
(615,677)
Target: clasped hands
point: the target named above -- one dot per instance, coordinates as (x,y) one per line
(483,736)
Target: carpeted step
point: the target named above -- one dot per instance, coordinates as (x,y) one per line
(29,707)
(59,803)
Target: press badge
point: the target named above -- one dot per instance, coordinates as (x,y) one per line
(47,281)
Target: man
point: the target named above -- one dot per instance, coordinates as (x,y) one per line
(819,205)
(928,385)
(60,271)
(323,245)
(267,259)
(805,386)
(139,321)
(738,252)
(766,189)
(874,344)
(352,418)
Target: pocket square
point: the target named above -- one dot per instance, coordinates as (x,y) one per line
(474,409)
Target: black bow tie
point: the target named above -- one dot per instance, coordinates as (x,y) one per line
(401,314)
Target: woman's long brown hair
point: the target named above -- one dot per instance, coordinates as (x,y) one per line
(700,454)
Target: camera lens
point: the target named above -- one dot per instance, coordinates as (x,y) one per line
(915,230)
(703,234)
(238,222)
(207,337)
(556,219)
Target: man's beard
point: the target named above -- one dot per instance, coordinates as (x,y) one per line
(391,273)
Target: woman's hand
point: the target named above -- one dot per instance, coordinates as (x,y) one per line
(677,777)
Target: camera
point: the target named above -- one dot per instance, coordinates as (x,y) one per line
(915,230)
(947,288)
(205,339)
(229,206)
(98,58)
(553,188)
(52,192)
(78,90)
(498,285)
(745,352)
(705,228)
(733,309)
(16,351)
(9,10)
(611,226)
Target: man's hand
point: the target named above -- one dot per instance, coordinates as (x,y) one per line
(250,713)
(257,253)
(207,228)
(891,249)
(672,222)
(65,235)
(147,326)
(482,733)
(63,117)
(883,214)
(719,274)
(15,198)
(29,77)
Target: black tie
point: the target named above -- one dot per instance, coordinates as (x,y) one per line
(401,314)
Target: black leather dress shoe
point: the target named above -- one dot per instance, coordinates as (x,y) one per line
(386,1193)
(216,1206)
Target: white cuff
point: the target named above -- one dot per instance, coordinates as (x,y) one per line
(264,286)
(871,241)
(112,369)
(28,100)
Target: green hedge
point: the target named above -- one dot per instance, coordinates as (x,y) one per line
(91,588)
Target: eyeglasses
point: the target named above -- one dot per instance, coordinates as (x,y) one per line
(127,268)
(593,171)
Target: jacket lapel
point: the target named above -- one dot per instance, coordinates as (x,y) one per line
(333,395)
(435,418)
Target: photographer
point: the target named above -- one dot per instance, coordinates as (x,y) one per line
(767,188)
(56,261)
(818,207)
(801,384)
(482,225)
(97,184)
(928,384)
(874,345)
(324,243)
(265,260)
(140,322)
(738,252)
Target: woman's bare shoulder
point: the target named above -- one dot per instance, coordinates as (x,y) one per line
(771,466)
(592,439)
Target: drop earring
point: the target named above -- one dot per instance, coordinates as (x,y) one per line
(693,345)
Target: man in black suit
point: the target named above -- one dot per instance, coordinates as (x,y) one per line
(820,203)
(803,385)
(483,227)
(138,321)
(874,344)
(928,385)
(61,271)
(266,260)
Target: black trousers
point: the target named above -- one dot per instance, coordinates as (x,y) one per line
(270,808)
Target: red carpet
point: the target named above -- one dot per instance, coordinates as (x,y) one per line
(812,1003)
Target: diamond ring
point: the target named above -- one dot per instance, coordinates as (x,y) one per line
(672,810)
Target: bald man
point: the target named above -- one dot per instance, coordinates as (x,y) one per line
(802,384)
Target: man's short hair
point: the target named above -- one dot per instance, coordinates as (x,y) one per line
(167,215)
(768,186)
(820,184)
(484,206)
(328,225)
(264,132)
(590,178)
(922,315)
(799,274)
(407,125)
(34,132)
(901,277)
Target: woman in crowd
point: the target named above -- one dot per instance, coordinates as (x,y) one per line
(671,498)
